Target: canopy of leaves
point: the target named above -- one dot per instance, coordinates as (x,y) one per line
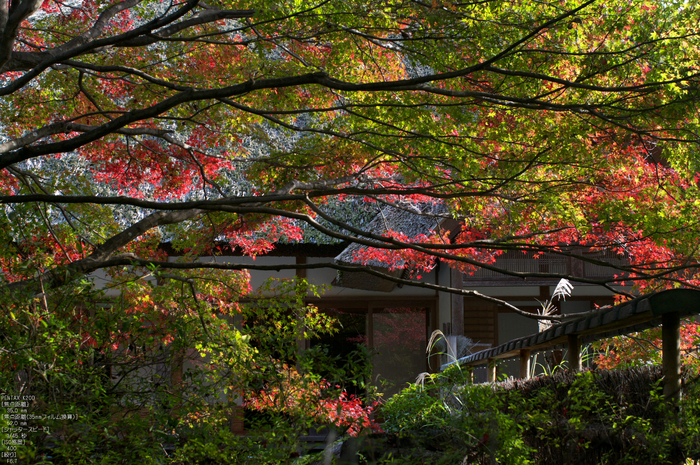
(540,125)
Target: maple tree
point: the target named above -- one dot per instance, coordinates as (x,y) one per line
(539,126)
(542,127)
(646,348)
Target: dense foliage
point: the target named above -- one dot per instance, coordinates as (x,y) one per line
(593,417)
(541,127)
(566,127)
(161,381)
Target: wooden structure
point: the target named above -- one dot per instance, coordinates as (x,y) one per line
(664,308)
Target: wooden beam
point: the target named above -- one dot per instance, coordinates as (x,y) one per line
(671,340)
(574,349)
(524,364)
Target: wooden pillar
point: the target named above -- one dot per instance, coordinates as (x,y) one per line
(524,364)
(369,340)
(302,290)
(432,324)
(491,371)
(457,303)
(176,368)
(369,327)
(671,340)
(237,420)
(574,347)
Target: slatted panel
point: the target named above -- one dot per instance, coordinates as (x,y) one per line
(480,321)
(592,270)
(526,263)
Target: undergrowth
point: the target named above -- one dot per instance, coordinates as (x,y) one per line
(592,417)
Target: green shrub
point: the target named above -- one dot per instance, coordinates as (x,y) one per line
(116,367)
(582,418)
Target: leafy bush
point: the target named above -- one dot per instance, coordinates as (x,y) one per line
(472,416)
(157,374)
(580,418)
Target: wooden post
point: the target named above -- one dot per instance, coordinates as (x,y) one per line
(524,364)
(671,340)
(369,339)
(574,347)
(457,303)
(491,371)
(369,327)
(431,324)
(177,368)
(302,291)
(237,420)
